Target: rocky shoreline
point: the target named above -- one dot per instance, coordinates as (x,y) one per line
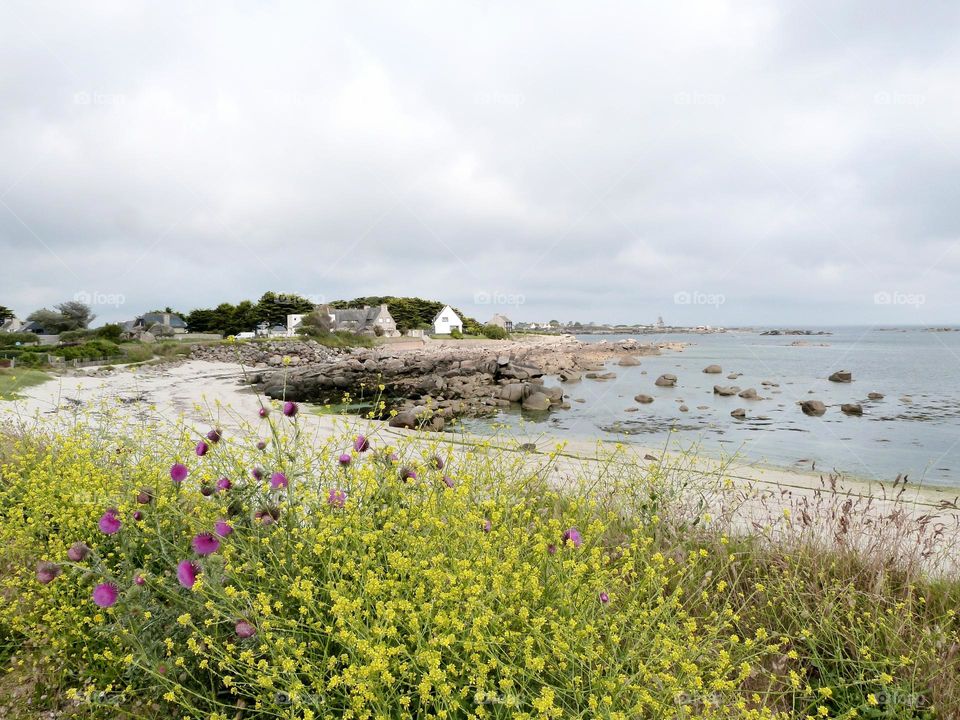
(430,385)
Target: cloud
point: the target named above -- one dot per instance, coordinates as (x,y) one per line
(785,156)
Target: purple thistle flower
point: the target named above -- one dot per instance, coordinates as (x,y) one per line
(552,549)
(205,544)
(437,462)
(361,444)
(215,435)
(257,473)
(78,552)
(345,459)
(223,528)
(206,490)
(109,522)
(336,498)
(487,526)
(145,496)
(187,573)
(178,472)
(261,445)
(244,629)
(572,535)
(137,515)
(448,481)
(105,594)
(47,572)
(202,448)
(224,484)
(290,408)
(393,457)
(278,480)
(263,412)
(140,580)
(407,474)
(604,598)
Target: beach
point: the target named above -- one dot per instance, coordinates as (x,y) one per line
(200,392)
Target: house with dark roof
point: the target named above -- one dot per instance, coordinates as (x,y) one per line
(501,321)
(158,324)
(364,321)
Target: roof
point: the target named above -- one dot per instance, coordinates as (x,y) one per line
(500,316)
(152,318)
(447,308)
(357,315)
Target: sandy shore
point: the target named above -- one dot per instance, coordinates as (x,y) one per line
(190,390)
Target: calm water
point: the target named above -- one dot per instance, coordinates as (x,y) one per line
(915,429)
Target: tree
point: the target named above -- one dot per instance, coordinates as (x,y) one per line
(70,315)
(6,313)
(494,332)
(316,323)
(273,308)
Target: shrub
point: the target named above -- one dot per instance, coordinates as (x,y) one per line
(422,581)
(494,332)
(455,333)
(16,337)
(91,350)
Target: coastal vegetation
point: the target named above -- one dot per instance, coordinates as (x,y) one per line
(255,572)
(14,380)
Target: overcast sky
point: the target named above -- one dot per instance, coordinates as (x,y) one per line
(711,162)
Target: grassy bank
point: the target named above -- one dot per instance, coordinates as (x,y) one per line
(167,575)
(14,380)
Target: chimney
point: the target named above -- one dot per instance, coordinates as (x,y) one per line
(166,319)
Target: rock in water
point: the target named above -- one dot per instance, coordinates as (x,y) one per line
(851,409)
(874,396)
(628,361)
(814,408)
(536,401)
(843,376)
(749,394)
(666,380)
(643,399)
(713,369)
(725,391)
(684,408)
(570,376)
(739,413)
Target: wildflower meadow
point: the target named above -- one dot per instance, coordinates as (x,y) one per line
(251,569)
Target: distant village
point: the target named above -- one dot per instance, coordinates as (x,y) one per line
(365,320)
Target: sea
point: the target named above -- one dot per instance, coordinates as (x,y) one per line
(913,431)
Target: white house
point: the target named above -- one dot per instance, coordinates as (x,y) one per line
(293,322)
(446,320)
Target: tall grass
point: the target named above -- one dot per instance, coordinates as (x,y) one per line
(416,578)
